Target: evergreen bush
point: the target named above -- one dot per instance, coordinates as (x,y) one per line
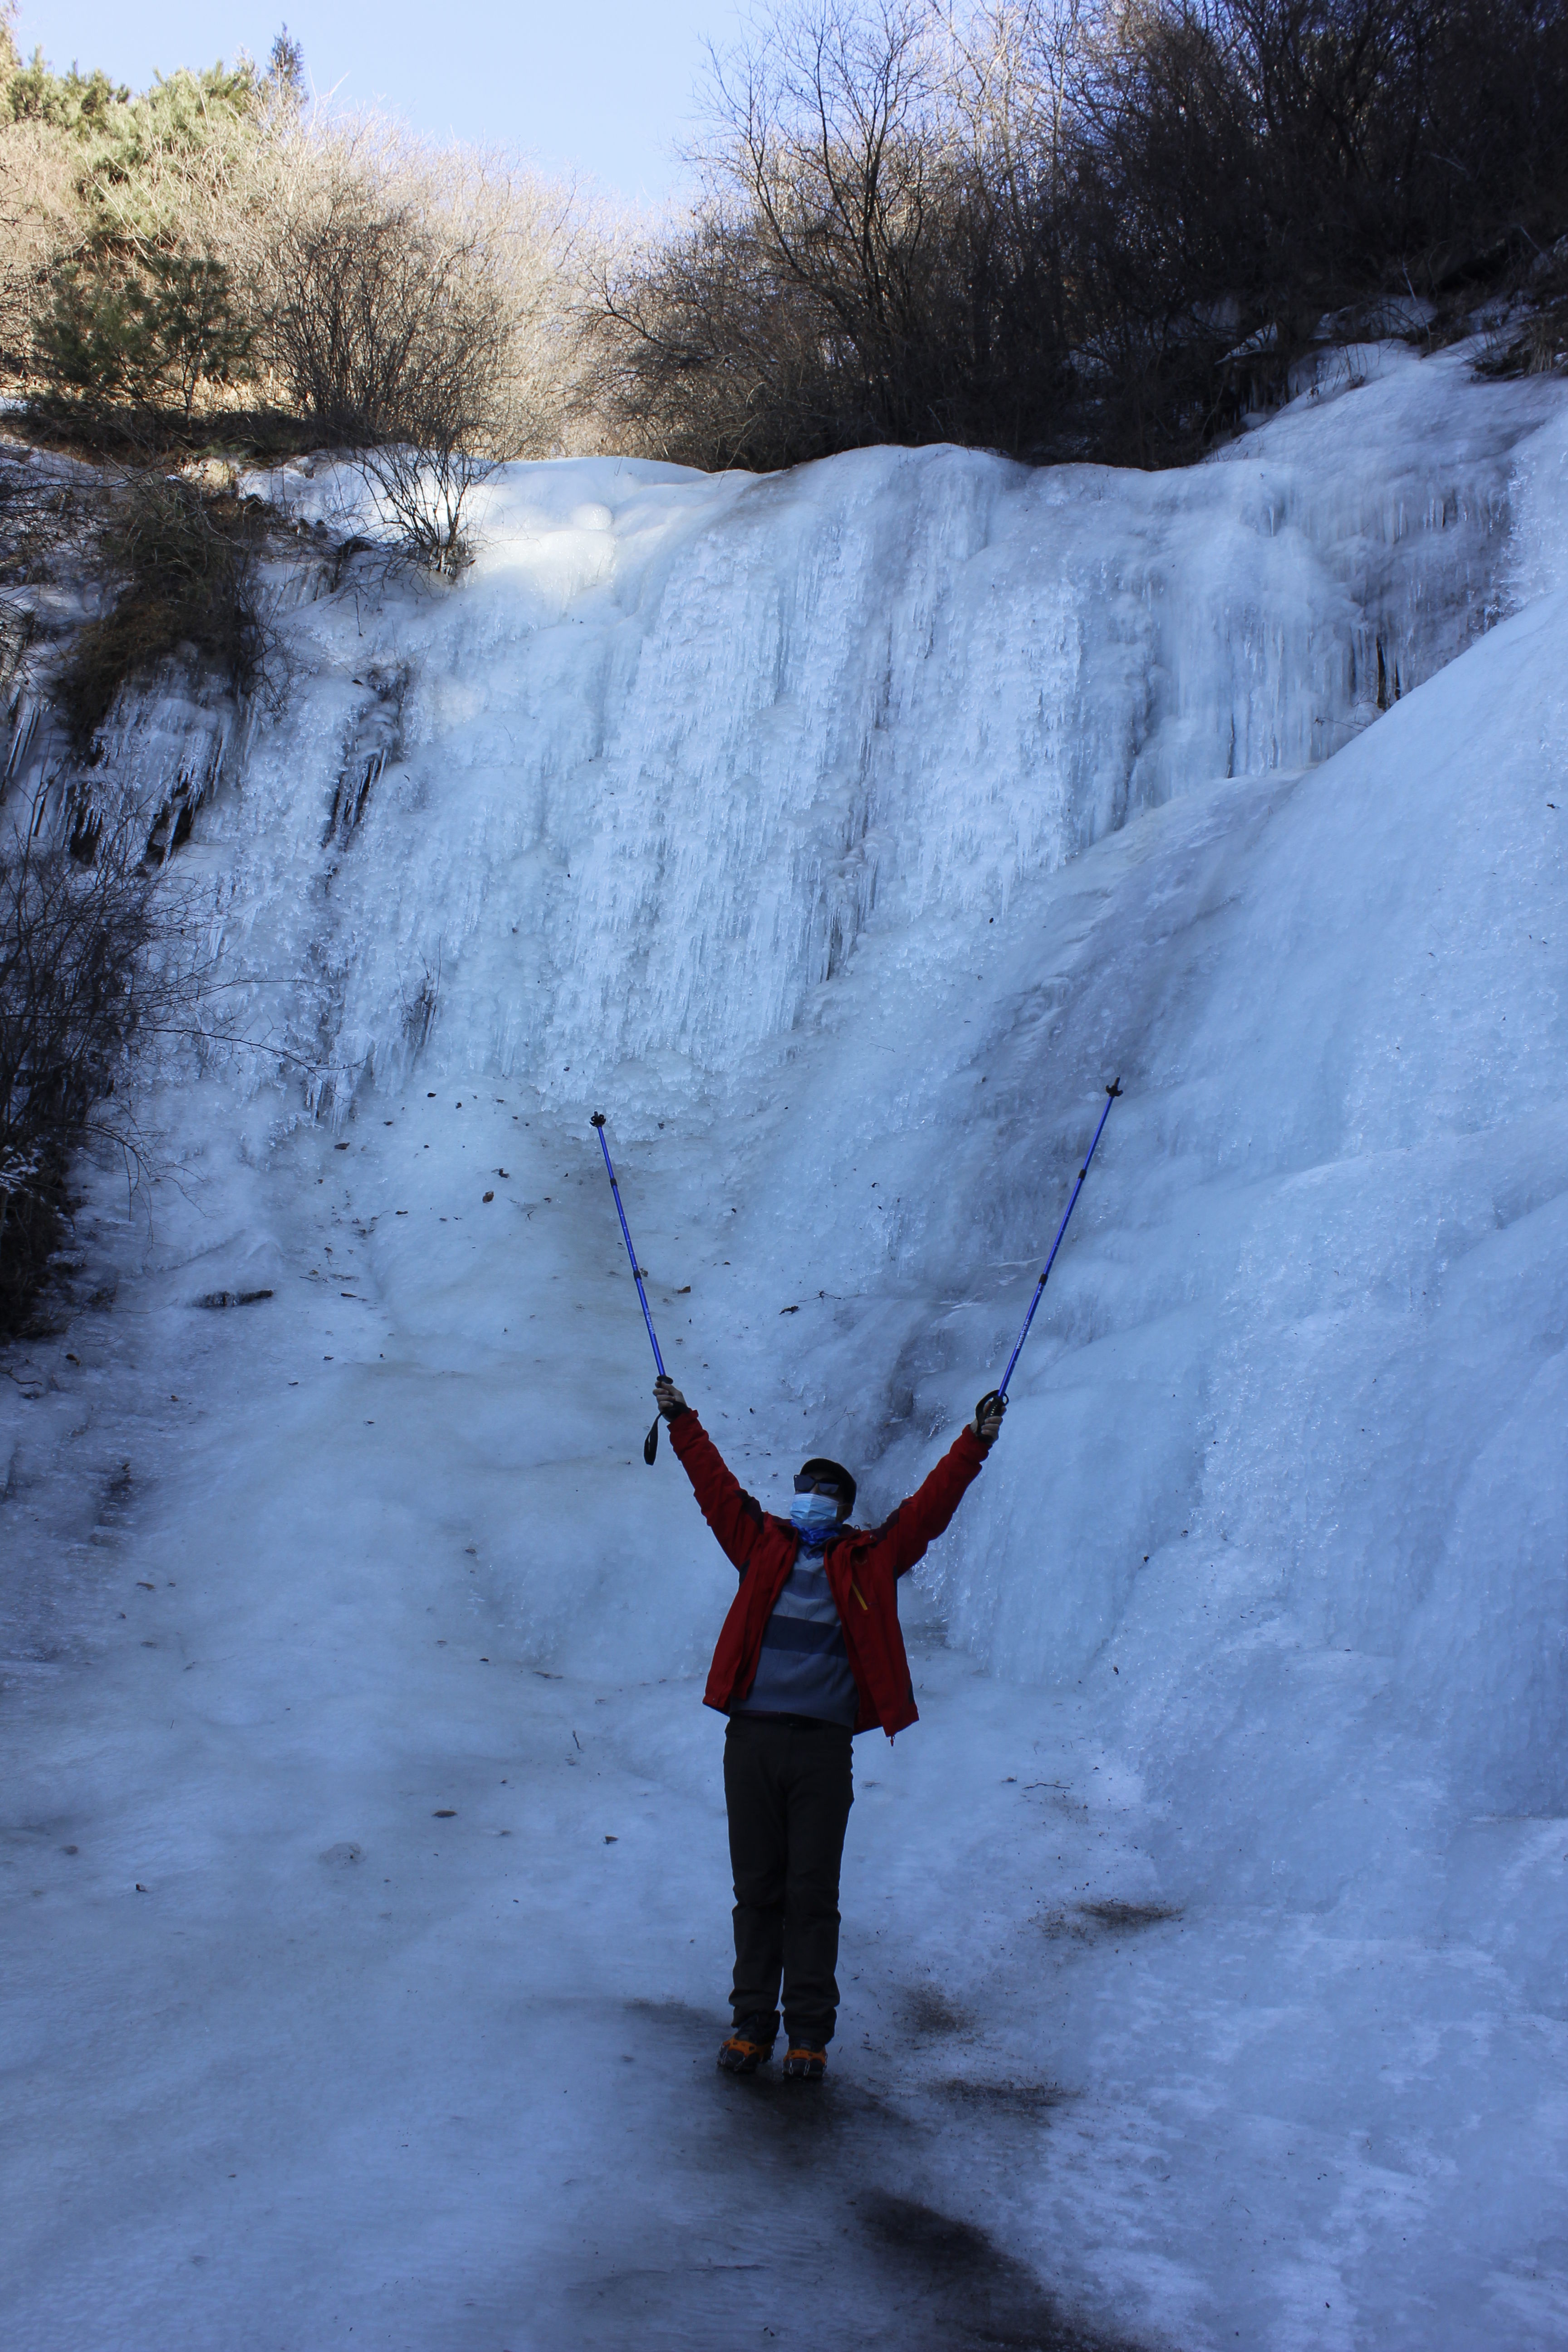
(154,331)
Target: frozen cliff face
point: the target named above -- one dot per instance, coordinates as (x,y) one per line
(682,736)
(841,835)
(627,801)
(1305,1358)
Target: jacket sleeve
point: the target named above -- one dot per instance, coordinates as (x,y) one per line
(919,1521)
(735,1517)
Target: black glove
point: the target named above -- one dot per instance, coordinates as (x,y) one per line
(988,1416)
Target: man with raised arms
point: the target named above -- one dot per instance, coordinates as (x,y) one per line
(810,1654)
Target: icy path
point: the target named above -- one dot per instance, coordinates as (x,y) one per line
(373,2034)
(366,1940)
(393,1964)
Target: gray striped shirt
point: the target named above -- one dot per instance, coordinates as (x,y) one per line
(804,1668)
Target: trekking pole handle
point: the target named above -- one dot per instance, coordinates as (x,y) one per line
(1111,1093)
(598,1121)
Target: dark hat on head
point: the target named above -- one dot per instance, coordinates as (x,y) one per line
(821,1468)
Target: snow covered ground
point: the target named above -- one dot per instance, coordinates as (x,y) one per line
(840,834)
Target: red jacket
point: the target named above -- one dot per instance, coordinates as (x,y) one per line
(863,1568)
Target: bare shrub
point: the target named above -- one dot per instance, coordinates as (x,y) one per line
(39,223)
(38,217)
(809,305)
(42,509)
(885,250)
(91,973)
(1054,226)
(422,498)
(418,306)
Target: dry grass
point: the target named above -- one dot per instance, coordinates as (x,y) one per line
(1532,339)
(187,562)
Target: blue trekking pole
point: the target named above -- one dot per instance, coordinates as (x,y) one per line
(1112,1094)
(651,1442)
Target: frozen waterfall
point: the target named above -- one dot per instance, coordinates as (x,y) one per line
(840,834)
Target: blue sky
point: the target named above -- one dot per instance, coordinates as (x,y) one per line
(604,86)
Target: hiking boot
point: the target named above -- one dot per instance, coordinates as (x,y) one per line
(751,2045)
(805,2065)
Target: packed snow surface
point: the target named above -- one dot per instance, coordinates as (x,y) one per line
(841,834)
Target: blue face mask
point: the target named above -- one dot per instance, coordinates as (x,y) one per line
(812,1512)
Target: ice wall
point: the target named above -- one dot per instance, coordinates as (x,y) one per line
(626,800)
(906,677)
(1303,1369)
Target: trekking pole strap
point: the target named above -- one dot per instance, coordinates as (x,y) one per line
(1111,1092)
(597,1121)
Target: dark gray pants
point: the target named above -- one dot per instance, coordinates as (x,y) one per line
(788,1786)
